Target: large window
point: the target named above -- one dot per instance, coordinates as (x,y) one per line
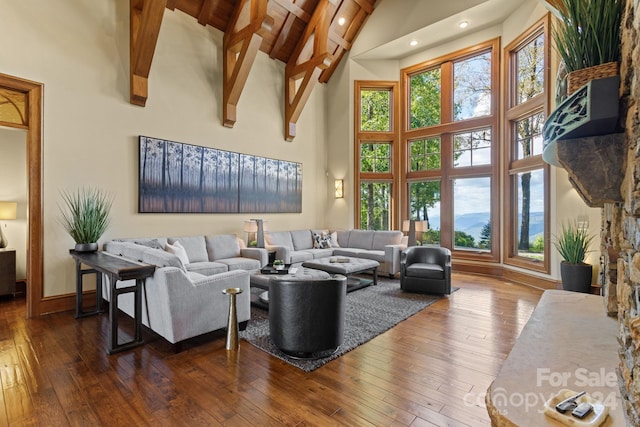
(450,167)
(527,175)
(376,142)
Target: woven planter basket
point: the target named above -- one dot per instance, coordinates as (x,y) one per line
(577,79)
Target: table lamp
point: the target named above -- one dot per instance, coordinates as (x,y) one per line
(414,226)
(255,231)
(7,211)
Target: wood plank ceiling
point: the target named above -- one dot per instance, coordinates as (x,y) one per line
(309,36)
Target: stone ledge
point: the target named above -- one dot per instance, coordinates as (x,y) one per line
(567,342)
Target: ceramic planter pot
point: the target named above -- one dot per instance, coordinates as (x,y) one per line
(86,247)
(576,277)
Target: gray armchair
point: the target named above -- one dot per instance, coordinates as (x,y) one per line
(426,269)
(306,317)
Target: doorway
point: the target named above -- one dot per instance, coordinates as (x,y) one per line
(21,107)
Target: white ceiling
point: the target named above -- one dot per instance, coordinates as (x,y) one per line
(395,23)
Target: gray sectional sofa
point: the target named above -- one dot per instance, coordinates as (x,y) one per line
(184,298)
(301,245)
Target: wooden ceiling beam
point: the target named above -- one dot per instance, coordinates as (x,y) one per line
(208,6)
(294,9)
(282,36)
(240,47)
(308,60)
(145,19)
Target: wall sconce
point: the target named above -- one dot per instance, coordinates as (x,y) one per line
(8,210)
(413,227)
(255,229)
(339,188)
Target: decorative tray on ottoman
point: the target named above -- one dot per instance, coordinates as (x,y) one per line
(270,269)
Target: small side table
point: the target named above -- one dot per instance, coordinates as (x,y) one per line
(117,269)
(7,271)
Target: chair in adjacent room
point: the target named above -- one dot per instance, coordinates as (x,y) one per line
(306,317)
(426,269)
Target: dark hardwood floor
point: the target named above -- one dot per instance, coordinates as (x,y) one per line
(432,369)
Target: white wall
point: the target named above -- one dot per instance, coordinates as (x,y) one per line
(79,49)
(13,188)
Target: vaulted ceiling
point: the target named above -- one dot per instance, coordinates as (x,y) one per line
(309,36)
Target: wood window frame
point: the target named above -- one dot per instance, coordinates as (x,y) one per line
(445,130)
(369,137)
(514,112)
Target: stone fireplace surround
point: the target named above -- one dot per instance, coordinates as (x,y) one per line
(620,235)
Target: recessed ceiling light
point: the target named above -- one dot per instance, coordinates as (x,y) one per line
(341,21)
(463,24)
(413,43)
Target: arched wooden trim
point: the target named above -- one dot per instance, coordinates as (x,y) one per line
(35,252)
(307,62)
(240,46)
(145,18)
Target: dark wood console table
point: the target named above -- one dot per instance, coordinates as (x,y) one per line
(117,269)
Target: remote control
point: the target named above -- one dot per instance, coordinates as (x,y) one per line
(582,410)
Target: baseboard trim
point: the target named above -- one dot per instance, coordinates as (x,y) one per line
(500,272)
(66,302)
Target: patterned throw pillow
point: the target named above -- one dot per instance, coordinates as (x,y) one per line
(321,241)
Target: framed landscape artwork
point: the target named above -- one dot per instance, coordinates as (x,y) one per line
(183,178)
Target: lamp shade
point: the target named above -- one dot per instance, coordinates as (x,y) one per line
(8,210)
(250,226)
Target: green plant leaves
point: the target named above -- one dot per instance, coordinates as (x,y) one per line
(588,33)
(86,214)
(573,243)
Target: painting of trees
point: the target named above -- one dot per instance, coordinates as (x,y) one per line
(183,178)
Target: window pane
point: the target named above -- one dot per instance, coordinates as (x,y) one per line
(530,228)
(472,213)
(425,99)
(375,157)
(529,135)
(375,110)
(530,63)
(472,148)
(424,204)
(375,200)
(472,87)
(424,154)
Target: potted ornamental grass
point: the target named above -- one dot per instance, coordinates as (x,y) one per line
(573,245)
(587,38)
(85,216)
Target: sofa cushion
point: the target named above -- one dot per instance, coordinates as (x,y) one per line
(134,252)
(150,243)
(374,255)
(207,268)
(354,252)
(239,263)
(302,239)
(222,246)
(300,256)
(195,247)
(425,271)
(160,258)
(178,250)
(321,253)
(361,239)
(278,238)
(384,238)
(342,238)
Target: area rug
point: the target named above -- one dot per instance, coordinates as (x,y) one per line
(369,312)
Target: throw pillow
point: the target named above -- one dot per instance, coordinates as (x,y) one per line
(316,241)
(178,251)
(334,239)
(321,241)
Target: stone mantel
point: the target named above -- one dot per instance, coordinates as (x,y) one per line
(580,136)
